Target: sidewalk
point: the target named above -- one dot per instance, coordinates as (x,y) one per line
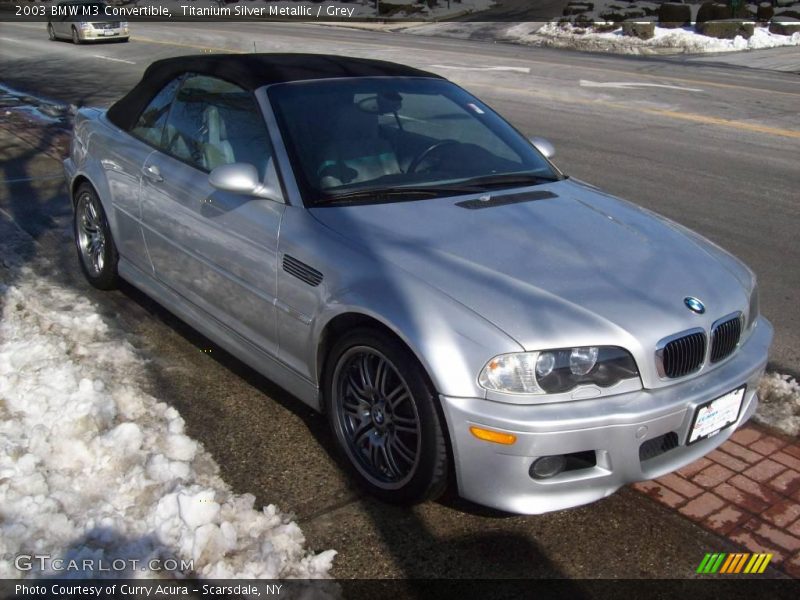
(748,490)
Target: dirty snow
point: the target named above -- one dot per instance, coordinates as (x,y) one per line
(779,403)
(681,40)
(92,467)
(557,35)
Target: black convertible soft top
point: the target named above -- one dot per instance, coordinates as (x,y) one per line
(250,71)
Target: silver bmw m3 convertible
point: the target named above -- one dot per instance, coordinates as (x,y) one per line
(388,249)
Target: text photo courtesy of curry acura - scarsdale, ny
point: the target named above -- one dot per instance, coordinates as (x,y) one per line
(410,298)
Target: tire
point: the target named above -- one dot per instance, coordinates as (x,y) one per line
(373,418)
(97,253)
(76,39)
(51,33)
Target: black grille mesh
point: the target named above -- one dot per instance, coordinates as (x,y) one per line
(724,338)
(684,355)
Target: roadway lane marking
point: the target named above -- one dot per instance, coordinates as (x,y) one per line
(187,45)
(501,68)
(628,85)
(670,114)
(122,60)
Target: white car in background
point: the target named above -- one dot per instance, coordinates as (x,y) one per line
(85,22)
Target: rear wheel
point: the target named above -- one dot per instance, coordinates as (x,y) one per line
(96,249)
(51,33)
(382,409)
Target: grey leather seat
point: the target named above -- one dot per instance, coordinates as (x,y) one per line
(356,153)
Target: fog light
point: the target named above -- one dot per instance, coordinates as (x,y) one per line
(547,466)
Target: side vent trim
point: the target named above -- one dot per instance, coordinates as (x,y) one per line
(301,270)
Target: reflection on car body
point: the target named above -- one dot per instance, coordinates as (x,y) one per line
(386,247)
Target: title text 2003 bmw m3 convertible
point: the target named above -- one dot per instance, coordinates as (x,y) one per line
(383,245)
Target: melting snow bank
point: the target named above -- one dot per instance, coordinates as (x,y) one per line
(682,40)
(91,467)
(557,35)
(779,407)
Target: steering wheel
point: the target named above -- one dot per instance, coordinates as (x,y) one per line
(420,158)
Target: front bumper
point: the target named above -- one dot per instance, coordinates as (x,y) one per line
(613,427)
(91,35)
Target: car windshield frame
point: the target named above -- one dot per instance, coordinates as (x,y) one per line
(391,188)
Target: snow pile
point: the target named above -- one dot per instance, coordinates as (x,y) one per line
(779,403)
(91,467)
(681,40)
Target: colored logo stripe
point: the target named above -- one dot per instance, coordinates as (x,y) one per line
(738,562)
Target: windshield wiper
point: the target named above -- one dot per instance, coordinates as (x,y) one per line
(502,179)
(394,194)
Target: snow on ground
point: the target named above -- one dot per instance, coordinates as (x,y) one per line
(677,40)
(779,407)
(557,35)
(91,467)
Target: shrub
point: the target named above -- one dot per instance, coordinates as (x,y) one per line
(784,25)
(672,14)
(727,29)
(640,28)
(765,11)
(705,13)
(615,16)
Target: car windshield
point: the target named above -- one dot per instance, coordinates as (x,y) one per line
(366,140)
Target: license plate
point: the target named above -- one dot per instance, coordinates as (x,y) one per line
(109,32)
(714,416)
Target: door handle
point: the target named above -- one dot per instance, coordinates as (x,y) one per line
(153,173)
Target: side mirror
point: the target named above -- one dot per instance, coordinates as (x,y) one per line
(543,146)
(241,178)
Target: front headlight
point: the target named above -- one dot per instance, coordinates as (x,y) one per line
(84,25)
(557,371)
(753,310)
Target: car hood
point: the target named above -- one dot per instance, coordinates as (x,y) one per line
(573,267)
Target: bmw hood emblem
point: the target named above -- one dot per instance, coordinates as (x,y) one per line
(694,305)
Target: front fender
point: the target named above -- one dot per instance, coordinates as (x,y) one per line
(452,342)
(82,165)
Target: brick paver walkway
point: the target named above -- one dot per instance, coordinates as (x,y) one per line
(747,490)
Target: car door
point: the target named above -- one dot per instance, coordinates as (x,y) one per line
(123,157)
(61,24)
(217,249)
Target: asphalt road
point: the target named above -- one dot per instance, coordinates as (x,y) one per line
(713,148)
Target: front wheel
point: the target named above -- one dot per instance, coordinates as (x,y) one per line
(76,39)
(96,249)
(383,412)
